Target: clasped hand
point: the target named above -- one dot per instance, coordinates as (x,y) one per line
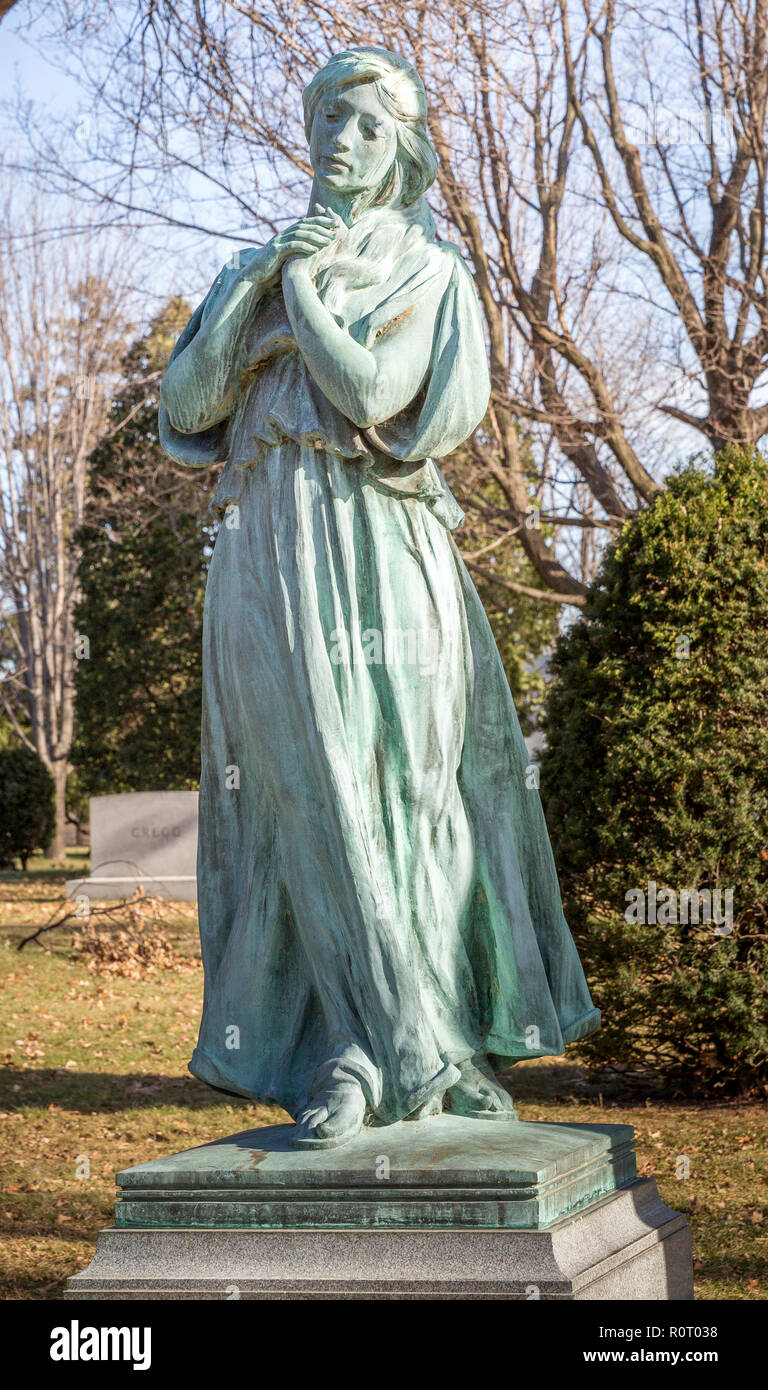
(304,238)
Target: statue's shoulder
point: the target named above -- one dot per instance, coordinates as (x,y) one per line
(456,276)
(439,263)
(454,260)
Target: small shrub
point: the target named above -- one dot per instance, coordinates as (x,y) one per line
(27,815)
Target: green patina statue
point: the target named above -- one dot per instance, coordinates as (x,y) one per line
(379,910)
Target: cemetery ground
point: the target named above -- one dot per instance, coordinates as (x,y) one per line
(95,1043)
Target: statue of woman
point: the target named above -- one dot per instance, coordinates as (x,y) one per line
(379,909)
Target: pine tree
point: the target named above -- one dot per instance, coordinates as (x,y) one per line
(145,546)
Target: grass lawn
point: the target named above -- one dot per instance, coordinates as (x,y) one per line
(94,1079)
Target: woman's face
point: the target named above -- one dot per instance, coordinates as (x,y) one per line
(353,139)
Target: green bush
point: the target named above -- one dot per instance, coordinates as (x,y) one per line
(27,815)
(144,549)
(656,772)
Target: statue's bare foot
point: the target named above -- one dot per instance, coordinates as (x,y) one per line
(478,1095)
(333,1117)
(430,1096)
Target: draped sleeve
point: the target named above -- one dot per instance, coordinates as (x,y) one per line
(236,383)
(200,386)
(452,398)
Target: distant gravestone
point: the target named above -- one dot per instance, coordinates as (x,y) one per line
(142,837)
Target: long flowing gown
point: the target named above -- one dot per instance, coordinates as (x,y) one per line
(375,881)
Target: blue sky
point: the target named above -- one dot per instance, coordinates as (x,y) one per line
(25,71)
(38,79)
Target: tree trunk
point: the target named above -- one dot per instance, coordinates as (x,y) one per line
(57,848)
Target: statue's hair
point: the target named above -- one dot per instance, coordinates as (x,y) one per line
(401,92)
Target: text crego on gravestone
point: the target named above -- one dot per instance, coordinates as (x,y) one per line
(142,837)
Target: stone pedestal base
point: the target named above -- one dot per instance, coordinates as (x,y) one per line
(435,1209)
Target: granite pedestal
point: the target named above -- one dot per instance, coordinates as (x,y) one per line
(438,1208)
(435,1209)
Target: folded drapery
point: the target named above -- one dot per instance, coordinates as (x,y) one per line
(237,382)
(377,892)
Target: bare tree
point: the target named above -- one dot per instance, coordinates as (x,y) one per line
(61,332)
(619,260)
(708,260)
